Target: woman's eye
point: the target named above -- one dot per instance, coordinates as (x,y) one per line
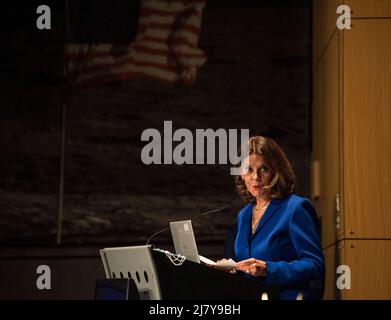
(264,169)
(247,170)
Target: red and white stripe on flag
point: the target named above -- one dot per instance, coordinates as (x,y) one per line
(165,48)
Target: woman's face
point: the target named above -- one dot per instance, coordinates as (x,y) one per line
(256,174)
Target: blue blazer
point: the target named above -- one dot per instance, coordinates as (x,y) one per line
(287,239)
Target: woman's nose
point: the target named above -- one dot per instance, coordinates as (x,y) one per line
(255,175)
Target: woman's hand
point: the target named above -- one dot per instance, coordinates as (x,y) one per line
(252,266)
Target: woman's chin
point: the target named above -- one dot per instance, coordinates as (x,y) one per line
(256,192)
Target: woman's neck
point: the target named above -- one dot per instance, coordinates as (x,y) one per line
(262,201)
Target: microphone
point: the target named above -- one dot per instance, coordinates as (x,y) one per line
(272,183)
(194,217)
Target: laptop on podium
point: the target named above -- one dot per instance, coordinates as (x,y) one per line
(184,240)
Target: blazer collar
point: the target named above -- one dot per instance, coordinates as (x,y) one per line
(274,205)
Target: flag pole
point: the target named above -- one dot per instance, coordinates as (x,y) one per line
(63,127)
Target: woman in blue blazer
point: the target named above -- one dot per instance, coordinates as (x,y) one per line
(277,238)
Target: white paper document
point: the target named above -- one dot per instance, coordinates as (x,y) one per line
(224,265)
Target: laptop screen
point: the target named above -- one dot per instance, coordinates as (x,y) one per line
(184,240)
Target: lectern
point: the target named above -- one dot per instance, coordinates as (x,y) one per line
(159,274)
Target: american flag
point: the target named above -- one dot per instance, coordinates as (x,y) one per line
(165,48)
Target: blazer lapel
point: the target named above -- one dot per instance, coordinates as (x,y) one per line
(247,221)
(271,209)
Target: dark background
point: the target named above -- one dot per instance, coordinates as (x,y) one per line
(257,76)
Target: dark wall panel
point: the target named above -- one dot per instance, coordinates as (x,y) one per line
(256,77)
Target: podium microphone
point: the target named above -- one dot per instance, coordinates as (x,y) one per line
(222,209)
